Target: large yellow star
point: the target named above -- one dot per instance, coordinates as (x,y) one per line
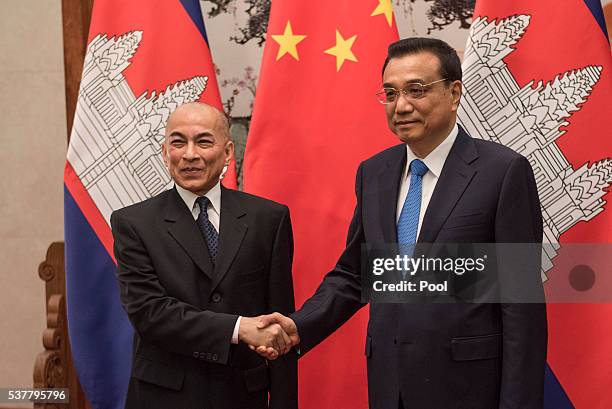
(384,7)
(342,50)
(288,42)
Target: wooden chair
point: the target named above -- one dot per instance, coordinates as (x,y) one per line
(53,367)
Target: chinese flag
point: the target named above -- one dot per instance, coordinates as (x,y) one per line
(315,119)
(557,53)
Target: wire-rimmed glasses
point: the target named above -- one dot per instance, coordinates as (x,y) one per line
(413,90)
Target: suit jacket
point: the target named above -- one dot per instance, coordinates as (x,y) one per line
(442,356)
(183,310)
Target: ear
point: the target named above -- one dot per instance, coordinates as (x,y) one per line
(456,92)
(165,154)
(229,152)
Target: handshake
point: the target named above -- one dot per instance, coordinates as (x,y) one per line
(270,335)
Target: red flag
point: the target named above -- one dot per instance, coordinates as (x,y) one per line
(315,119)
(537,79)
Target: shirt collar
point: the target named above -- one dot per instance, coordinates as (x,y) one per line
(214,195)
(435,160)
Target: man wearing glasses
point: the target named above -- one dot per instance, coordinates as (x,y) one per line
(439,186)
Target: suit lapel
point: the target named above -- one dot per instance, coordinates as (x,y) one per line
(232,230)
(389,184)
(454,179)
(185,231)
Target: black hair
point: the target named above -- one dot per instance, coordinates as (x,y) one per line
(450,65)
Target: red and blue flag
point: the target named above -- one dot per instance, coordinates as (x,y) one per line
(142,61)
(537,78)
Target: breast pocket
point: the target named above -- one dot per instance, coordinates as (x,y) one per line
(464,219)
(250,277)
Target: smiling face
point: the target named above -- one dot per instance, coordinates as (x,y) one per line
(421,123)
(197,147)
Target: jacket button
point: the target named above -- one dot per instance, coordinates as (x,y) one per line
(196,355)
(216,297)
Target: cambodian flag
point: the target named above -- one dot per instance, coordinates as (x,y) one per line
(538,78)
(143,60)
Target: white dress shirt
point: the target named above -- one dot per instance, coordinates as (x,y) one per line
(214,210)
(434,162)
(214,215)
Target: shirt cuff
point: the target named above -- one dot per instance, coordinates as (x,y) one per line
(236,328)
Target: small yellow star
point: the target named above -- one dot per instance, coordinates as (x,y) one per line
(384,7)
(342,50)
(288,42)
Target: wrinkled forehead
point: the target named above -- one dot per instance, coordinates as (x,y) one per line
(422,67)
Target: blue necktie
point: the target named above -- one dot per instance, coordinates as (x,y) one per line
(408,223)
(208,230)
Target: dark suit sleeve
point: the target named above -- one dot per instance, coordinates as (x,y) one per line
(519,220)
(339,295)
(283,371)
(158,318)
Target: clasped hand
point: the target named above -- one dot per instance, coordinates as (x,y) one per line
(270,335)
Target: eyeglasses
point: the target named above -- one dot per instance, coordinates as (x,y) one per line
(414,90)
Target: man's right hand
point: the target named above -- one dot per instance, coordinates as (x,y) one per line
(289,328)
(272,338)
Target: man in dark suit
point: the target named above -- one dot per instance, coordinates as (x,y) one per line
(438,186)
(194,263)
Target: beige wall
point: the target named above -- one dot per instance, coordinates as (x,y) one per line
(32,151)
